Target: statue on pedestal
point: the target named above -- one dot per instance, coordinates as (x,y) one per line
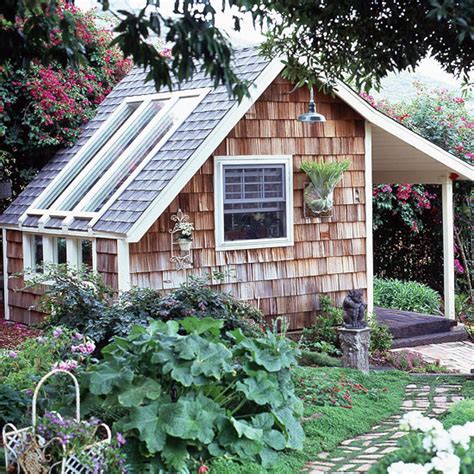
(354,317)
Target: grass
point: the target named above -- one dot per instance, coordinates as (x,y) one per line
(334,424)
(318,359)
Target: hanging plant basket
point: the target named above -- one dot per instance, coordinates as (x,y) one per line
(27,452)
(5,189)
(324,176)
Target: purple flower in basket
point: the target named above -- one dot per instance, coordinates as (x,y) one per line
(78,336)
(13,355)
(121,439)
(58,332)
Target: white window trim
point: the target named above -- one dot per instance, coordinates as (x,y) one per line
(53,210)
(248,160)
(50,253)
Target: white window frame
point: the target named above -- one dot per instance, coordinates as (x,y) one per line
(50,254)
(251,160)
(54,211)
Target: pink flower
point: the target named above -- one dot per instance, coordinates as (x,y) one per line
(12,355)
(458,267)
(459,100)
(85,348)
(68,365)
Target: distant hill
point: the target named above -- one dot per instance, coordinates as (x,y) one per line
(399,86)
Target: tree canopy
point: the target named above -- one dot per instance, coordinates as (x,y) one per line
(320,40)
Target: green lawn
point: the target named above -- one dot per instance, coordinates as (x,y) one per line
(334,424)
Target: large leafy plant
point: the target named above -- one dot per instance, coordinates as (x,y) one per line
(186,394)
(324,177)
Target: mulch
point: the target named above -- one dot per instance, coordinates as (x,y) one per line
(13,334)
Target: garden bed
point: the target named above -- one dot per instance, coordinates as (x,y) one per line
(13,334)
(374,397)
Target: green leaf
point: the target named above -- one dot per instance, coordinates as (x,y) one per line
(246,429)
(145,419)
(269,457)
(107,375)
(291,426)
(136,393)
(261,389)
(191,418)
(202,325)
(175,454)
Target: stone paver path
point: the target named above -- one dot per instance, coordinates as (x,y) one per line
(457,356)
(360,453)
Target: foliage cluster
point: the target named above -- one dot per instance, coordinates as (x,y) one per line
(323,335)
(406,296)
(381,338)
(334,393)
(327,426)
(43,106)
(80,300)
(412,362)
(188,397)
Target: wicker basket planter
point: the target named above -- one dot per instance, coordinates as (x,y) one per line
(27,452)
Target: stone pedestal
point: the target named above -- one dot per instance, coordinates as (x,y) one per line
(355,348)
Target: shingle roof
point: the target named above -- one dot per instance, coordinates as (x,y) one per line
(158,172)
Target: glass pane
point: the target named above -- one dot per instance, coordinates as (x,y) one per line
(89,150)
(61,249)
(258,211)
(147,142)
(255,225)
(38,253)
(86,253)
(121,141)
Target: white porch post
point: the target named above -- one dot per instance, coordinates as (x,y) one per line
(369,247)
(448,247)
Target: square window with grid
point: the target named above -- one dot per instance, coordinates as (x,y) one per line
(254,202)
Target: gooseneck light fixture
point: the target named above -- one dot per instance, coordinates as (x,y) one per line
(311,116)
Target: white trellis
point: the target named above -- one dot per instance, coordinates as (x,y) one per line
(27,451)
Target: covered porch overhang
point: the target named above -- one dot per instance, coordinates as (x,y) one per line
(411,159)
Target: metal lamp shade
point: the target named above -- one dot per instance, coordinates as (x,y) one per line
(311,116)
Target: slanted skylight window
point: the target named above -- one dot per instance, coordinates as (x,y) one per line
(114,154)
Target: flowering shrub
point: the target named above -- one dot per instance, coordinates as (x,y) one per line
(430,448)
(42,107)
(60,348)
(402,210)
(413,362)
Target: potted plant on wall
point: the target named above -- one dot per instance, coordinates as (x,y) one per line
(184,235)
(324,176)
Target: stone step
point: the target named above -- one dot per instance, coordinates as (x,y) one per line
(405,324)
(457,333)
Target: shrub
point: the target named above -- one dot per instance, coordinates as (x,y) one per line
(413,362)
(187,398)
(315,359)
(459,413)
(323,335)
(23,367)
(381,338)
(13,405)
(430,448)
(80,300)
(406,296)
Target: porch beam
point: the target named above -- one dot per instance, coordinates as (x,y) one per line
(410,177)
(448,247)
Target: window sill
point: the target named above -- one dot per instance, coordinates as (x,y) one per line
(253,244)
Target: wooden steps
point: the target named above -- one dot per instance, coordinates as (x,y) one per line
(413,329)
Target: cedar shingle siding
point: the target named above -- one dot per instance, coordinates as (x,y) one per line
(328,255)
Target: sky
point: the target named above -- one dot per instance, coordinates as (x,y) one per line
(248,35)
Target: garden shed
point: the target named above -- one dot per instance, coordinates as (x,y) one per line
(149,161)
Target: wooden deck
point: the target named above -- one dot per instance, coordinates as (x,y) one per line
(414,329)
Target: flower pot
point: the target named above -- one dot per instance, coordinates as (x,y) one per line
(316,201)
(185,244)
(5,189)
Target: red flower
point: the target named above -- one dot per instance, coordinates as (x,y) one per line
(203,469)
